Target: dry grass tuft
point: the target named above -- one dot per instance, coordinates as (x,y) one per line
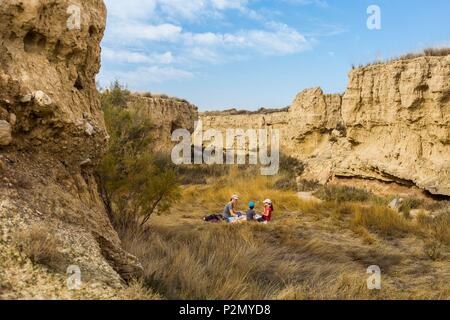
(41,246)
(136,290)
(383,220)
(242,262)
(364,234)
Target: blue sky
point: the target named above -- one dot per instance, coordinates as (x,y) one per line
(248,54)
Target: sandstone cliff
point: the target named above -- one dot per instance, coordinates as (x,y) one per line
(392,124)
(51,134)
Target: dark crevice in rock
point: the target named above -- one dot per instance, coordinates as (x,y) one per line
(34,42)
(79,84)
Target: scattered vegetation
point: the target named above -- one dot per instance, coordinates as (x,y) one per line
(438,231)
(236,112)
(291,166)
(163,96)
(428,52)
(200,174)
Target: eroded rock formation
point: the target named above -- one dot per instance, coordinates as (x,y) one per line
(52,130)
(166,115)
(392,124)
(398,121)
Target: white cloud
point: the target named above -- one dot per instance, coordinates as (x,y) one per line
(274,39)
(124,56)
(183,8)
(320,3)
(176,9)
(138,29)
(205,55)
(159,74)
(153,74)
(229,4)
(131,9)
(280,39)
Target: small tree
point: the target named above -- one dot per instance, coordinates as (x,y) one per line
(135,183)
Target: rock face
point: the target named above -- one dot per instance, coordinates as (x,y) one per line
(48,61)
(392,124)
(398,123)
(166,115)
(52,130)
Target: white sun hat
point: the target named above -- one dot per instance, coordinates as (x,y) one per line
(267,201)
(235,197)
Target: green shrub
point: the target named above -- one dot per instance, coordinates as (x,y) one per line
(411,204)
(308,185)
(343,194)
(291,166)
(199,174)
(135,183)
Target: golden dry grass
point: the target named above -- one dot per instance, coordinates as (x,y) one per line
(41,246)
(257,188)
(382,219)
(310,250)
(137,290)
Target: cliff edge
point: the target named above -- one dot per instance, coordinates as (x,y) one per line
(52,134)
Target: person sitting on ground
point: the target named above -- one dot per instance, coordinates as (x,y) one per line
(229,213)
(268,211)
(251,213)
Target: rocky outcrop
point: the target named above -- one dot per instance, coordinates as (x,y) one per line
(48,61)
(398,123)
(305,128)
(166,114)
(392,124)
(52,130)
